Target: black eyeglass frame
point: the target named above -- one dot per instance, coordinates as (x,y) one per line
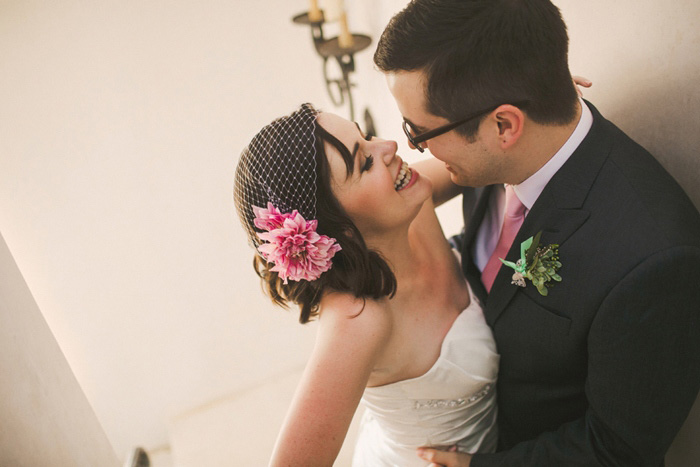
(441,130)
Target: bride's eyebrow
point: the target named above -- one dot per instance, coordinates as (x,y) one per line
(354,158)
(356,147)
(354,151)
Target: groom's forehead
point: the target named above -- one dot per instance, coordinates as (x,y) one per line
(408,83)
(408,89)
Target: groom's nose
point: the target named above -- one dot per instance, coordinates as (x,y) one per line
(423,145)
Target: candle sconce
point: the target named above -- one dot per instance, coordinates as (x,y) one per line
(342,49)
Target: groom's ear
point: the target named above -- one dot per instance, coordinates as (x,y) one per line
(510,121)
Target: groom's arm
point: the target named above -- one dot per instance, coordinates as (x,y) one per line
(643,373)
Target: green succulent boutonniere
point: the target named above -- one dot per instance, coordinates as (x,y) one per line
(539,264)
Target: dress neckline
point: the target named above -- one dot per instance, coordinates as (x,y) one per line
(448,337)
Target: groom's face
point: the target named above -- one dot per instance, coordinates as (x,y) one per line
(469,162)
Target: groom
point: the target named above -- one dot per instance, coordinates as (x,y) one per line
(603,369)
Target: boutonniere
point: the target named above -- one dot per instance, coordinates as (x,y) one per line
(536,263)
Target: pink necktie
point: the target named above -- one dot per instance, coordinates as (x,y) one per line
(515,214)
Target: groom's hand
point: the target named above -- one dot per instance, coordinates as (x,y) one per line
(450,458)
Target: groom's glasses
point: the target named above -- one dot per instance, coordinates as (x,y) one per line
(416,140)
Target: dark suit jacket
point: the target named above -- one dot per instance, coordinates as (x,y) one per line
(603,370)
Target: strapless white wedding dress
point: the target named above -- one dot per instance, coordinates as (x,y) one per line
(453,403)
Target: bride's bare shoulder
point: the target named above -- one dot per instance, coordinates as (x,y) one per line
(341,310)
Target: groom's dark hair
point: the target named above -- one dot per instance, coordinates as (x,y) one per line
(479,53)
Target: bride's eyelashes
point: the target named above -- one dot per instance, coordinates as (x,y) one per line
(369,162)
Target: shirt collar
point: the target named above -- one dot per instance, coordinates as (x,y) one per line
(529,190)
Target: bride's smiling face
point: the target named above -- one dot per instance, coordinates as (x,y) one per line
(379,192)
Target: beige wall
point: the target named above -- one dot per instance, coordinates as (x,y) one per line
(120,126)
(644,58)
(46,419)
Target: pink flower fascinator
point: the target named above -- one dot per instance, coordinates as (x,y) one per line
(293,245)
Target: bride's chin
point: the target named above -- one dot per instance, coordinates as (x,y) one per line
(416,210)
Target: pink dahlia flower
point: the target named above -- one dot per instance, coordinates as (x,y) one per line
(293,244)
(268,219)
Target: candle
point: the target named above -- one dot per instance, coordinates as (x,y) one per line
(332,9)
(315,14)
(345,39)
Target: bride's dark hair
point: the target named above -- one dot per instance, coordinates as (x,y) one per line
(356,269)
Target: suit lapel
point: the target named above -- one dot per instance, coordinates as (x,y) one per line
(556,224)
(471,271)
(558,212)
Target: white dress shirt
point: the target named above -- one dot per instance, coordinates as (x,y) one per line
(527,191)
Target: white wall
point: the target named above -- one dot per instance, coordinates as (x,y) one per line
(46,419)
(120,126)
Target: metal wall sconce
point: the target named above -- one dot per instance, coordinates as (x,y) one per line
(342,49)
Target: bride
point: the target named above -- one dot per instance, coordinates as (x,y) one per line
(347,231)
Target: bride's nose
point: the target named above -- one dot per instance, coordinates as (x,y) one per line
(387,149)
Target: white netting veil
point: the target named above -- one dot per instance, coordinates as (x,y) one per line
(278,167)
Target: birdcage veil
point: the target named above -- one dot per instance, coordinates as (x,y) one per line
(278,167)
(275,194)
